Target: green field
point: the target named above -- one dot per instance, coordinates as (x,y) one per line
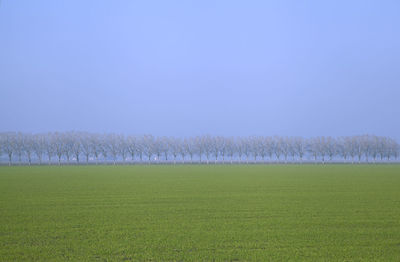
(200,213)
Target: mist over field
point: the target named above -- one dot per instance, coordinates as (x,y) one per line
(199,130)
(93,148)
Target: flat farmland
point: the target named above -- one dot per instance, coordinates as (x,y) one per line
(200,213)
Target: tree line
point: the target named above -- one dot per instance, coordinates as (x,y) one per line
(83,147)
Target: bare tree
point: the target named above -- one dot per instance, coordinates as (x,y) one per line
(164,145)
(190,147)
(284,145)
(263,147)
(240,148)
(19,145)
(321,147)
(395,149)
(392,148)
(254,143)
(39,146)
(182,150)
(86,145)
(374,147)
(122,147)
(59,145)
(231,148)
(199,142)
(28,146)
(352,145)
(8,144)
(50,146)
(132,146)
(68,145)
(112,143)
(207,146)
(343,148)
(331,147)
(174,145)
(246,148)
(95,146)
(359,147)
(148,146)
(158,148)
(313,147)
(277,147)
(76,145)
(299,146)
(103,147)
(140,147)
(1,145)
(218,147)
(222,147)
(366,144)
(269,145)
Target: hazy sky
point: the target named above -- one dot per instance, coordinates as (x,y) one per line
(195,67)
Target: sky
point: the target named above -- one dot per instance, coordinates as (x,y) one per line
(184,68)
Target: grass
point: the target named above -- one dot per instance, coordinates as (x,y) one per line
(200,213)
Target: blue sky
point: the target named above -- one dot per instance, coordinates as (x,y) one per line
(194,67)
